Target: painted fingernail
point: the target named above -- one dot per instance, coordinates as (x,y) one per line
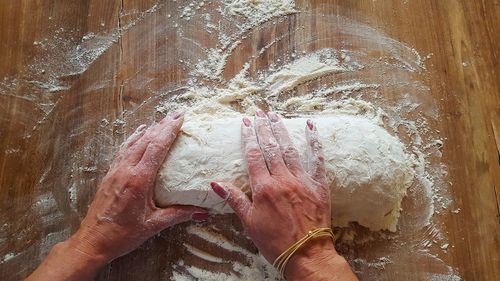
(247,122)
(260,113)
(273,116)
(200,216)
(176,115)
(219,190)
(310,124)
(140,129)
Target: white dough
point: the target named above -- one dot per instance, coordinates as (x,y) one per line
(368,169)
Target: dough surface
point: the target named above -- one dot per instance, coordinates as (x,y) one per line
(368,169)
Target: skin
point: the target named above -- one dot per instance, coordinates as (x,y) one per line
(287,201)
(123,214)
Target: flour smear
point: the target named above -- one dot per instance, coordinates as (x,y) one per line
(332,65)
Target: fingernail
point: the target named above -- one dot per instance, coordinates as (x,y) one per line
(273,116)
(310,124)
(140,129)
(260,113)
(176,115)
(247,122)
(200,216)
(219,190)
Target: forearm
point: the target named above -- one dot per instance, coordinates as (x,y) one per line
(319,261)
(66,262)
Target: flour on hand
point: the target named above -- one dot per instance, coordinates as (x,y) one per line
(368,169)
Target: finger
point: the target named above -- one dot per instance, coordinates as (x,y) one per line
(136,151)
(133,138)
(163,218)
(256,165)
(288,151)
(315,158)
(138,133)
(157,149)
(236,198)
(268,145)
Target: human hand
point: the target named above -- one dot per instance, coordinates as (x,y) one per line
(288,200)
(123,214)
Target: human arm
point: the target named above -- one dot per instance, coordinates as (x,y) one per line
(123,214)
(288,200)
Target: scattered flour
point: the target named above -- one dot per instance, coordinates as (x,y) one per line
(258,11)
(254,13)
(255,267)
(304,69)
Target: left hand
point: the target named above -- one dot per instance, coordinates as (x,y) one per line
(123,214)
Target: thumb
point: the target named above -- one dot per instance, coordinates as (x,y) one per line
(237,199)
(163,218)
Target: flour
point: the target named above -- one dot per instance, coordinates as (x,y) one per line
(254,13)
(278,80)
(257,11)
(202,254)
(214,237)
(304,69)
(254,267)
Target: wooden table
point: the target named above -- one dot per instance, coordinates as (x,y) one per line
(43,131)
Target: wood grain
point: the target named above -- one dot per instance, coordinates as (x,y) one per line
(464,77)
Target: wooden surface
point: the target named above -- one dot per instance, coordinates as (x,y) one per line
(37,142)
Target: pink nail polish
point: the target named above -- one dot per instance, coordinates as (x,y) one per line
(273,116)
(310,124)
(247,122)
(219,190)
(200,216)
(260,113)
(141,128)
(176,115)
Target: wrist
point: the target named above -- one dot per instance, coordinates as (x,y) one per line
(80,250)
(81,246)
(314,261)
(66,262)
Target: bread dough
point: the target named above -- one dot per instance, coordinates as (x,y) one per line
(368,169)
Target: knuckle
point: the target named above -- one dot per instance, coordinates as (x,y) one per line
(266,194)
(237,201)
(117,174)
(253,153)
(157,145)
(271,146)
(288,190)
(139,178)
(291,152)
(320,157)
(314,142)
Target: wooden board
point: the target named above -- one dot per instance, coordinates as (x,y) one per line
(41,132)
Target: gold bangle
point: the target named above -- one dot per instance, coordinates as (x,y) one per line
(282,260)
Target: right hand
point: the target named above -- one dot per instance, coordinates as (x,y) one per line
(287,199)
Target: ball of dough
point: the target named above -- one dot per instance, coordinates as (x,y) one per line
(367,168)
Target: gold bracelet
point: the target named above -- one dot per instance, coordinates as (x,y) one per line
(282,260)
